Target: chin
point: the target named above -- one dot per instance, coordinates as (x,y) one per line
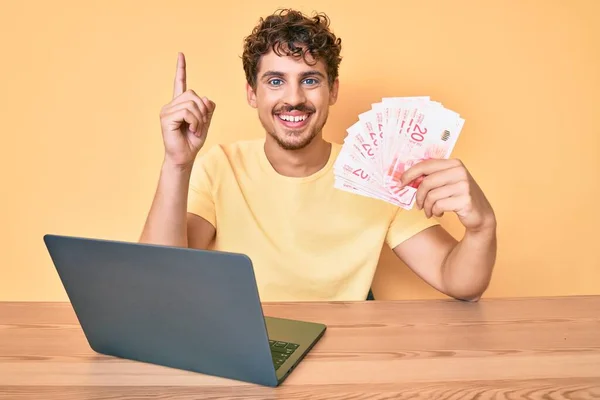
(295,140)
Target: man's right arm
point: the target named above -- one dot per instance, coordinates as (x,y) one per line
(168,221)
(184,123)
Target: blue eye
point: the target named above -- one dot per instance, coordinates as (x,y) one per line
(311,81)
(275,82)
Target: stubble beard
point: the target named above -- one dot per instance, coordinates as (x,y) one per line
(294,144)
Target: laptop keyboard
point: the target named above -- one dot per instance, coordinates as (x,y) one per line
(281,351)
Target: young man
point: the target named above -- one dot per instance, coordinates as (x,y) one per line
(274,199)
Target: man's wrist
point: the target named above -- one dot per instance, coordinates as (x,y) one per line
(487,229)
(173,168)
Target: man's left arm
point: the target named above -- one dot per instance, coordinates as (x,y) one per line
(461,269)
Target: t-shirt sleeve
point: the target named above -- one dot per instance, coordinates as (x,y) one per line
(407,223)
(201,199)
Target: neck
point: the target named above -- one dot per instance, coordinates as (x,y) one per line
(298,163)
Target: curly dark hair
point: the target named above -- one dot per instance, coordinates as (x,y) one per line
(291,33)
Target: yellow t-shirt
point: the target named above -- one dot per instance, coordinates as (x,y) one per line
(306,239)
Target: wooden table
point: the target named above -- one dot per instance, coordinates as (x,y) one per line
(540,348)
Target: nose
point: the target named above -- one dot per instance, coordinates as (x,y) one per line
(294,95)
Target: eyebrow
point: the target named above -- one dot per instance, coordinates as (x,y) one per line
(303,75)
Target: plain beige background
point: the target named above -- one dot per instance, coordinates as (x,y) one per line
(82,84)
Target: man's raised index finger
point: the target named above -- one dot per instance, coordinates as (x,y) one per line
(179,85)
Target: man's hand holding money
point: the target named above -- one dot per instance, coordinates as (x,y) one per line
(447,186)
(399,152)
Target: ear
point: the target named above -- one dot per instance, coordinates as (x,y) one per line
(333,94)
(251,96)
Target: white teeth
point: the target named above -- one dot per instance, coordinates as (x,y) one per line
(290,118)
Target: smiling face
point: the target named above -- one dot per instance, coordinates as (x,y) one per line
(292,99)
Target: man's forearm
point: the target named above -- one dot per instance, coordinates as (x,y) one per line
(467,270)
(167,220)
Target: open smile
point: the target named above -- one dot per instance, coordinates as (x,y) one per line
(294,120)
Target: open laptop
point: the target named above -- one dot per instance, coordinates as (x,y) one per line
(195,310)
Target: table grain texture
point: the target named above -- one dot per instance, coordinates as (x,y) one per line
(527,348)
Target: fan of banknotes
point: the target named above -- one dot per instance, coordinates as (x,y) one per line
(394,135)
